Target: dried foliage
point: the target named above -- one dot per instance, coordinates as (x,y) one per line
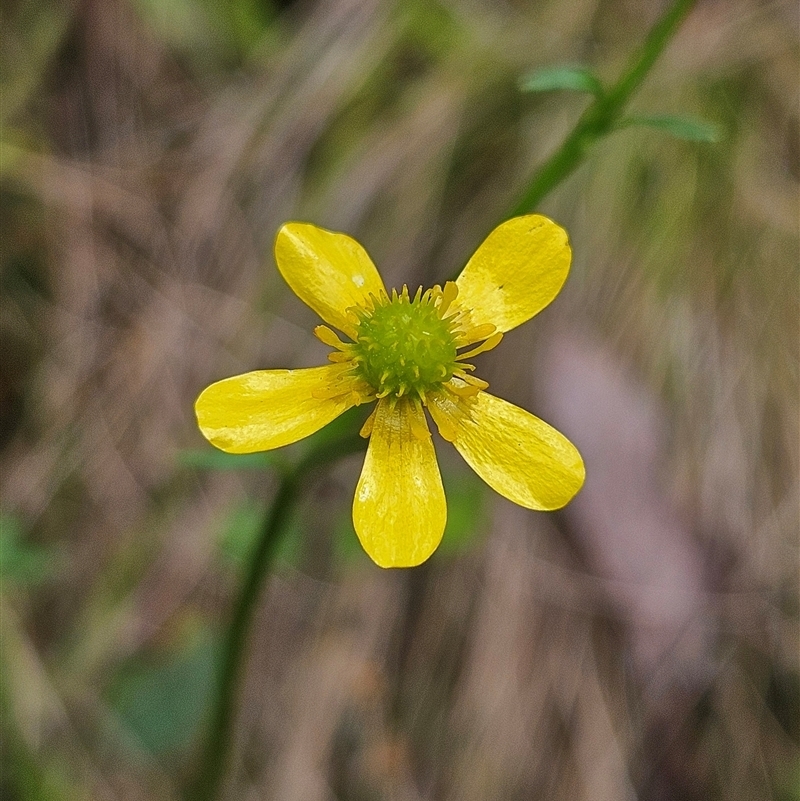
(641,644)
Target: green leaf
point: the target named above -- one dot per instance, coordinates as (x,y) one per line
(570,78)
(242,528)
(239,532)
(346,423)
(693,130)
(20,561)
(181,23)
(213,459)
(346,546)
(465,510)
(164,702)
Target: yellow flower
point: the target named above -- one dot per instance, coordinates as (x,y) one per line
(406,353)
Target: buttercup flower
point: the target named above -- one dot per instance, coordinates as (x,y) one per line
(407,354)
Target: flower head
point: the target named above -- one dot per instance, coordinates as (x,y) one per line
(408,353)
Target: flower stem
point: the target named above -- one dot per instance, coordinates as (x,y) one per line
(603,114)
(218,746)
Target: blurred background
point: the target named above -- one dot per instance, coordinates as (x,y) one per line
(641,644)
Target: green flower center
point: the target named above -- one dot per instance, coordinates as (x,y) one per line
(404,346)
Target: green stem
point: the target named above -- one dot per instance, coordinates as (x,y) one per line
(220,741)
(603,114)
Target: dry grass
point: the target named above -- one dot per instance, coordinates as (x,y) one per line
(643,643)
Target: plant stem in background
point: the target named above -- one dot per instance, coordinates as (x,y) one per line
(596,122)
(603,114)
(221,736)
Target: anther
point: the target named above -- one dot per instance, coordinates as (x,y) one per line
(417,422)
(449,294)
(328,337)
(478,332)
(471,379)
(492,342)
(366,429)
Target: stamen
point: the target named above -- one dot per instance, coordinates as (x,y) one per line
(477,333)
(419,427)
(334,390)
(350,330)
(464,390)
(369,423)
(471,379)
(450,410)
(449,294)
(492,342)
(329,338)
(344,382)
(362,393)
(440,409)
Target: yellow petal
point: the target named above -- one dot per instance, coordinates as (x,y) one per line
(516,272)
(268,408)
(399,510)
(515,453)
(328,271)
